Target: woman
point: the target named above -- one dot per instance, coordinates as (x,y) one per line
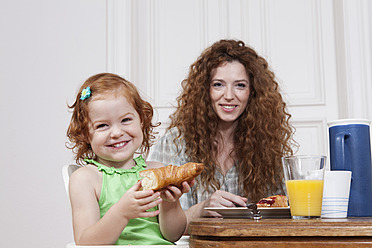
(232,118)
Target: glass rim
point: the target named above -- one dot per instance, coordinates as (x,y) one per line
(304,156)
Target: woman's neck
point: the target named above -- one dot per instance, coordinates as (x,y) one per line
(226,131)
(225,141)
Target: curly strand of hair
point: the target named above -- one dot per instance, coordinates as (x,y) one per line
(77,134)
(265,137)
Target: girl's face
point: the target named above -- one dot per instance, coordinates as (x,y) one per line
(229,91)
(115,131)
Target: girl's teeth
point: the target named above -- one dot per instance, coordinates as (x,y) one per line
(118,145)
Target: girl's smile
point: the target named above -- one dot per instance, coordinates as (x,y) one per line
(115,131)
(119,145)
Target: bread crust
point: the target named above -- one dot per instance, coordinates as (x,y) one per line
(158,178)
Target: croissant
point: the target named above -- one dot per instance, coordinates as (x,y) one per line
(159,178)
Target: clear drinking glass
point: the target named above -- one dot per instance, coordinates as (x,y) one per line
(304,179)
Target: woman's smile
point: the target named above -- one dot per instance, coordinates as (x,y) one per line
(229,91)
(228,108)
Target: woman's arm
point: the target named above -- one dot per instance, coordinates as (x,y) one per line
(219,198)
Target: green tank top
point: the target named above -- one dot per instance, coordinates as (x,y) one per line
(115,182)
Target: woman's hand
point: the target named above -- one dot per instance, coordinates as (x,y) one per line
(222,198)
(134,203)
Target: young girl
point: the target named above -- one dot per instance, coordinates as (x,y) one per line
(109,124)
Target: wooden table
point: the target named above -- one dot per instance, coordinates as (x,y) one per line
(214,232)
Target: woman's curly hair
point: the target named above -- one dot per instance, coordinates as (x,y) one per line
(106,85)
(263,134)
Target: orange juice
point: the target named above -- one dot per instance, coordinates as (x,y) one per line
(305,197)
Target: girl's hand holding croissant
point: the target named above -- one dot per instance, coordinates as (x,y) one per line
(134,203)
(172,193)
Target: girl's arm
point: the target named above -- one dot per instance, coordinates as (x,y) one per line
(172,218)
(89,228)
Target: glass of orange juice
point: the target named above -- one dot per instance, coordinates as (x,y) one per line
(304,177)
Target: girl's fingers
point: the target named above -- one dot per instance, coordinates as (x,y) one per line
(145,194)
(168,195)
(174,190)
(192,183)
(150,205)
(137,186)
(147,214)
(186,186)
(149,199)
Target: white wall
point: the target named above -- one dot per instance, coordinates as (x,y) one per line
(47,49)
(318,49)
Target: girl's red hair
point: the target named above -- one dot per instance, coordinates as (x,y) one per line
(106,85)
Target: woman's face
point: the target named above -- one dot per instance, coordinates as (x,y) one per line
(229,91)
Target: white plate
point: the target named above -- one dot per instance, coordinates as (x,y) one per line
(244,212)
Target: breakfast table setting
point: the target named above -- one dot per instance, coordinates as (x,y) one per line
(322,207)
(327,207)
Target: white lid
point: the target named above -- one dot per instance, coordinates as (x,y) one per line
(342,122)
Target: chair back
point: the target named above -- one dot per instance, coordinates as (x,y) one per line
(67,171)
